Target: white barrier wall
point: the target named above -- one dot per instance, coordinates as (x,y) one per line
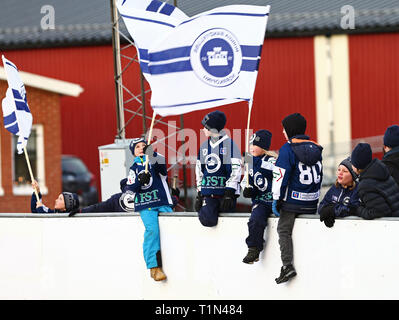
(100,257)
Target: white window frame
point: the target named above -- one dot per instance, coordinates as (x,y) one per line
(24,190)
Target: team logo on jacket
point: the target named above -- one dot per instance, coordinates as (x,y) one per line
(346,201)
(216,57)
(260,182)
(126,201)
(212,163)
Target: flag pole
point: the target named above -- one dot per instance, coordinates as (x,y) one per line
(149,139)
(30,172)
(250,102)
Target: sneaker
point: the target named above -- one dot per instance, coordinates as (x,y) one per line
(157,274)
(252,255)
(287,272)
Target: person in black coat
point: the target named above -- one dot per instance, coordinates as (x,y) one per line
(391,151)
(378,191)
(342,199)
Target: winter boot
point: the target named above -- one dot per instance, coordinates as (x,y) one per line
(157,274)
(252,255)
(287,272)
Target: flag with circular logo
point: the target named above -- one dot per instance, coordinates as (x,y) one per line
(204,61)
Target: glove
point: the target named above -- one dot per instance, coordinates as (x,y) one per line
(248,192)
(227,203)
(275,210)
(144,177)
(327,214)
(175,192)
(198,202)
(73,212)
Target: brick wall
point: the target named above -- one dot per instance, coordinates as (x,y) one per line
(45,108)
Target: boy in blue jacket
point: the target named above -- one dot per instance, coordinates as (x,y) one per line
(218,171)
(342,199)
(65,202)
(296,187)
(258,187)
(151,197)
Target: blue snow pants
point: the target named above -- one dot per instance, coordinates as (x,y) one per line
(257,224)
(208,215)
(152,241)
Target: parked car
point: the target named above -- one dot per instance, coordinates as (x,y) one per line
(78,179)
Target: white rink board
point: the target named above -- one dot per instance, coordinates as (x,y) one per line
(101,258)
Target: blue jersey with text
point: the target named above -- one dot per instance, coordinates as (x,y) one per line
(156,193)
(218,166)
(298,174)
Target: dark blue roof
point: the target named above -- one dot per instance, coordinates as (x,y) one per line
(87,22)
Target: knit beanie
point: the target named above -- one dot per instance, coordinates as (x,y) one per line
(361,155)
(391,136)
(348,164)
(71,201)
(294,124)
(215,120)
(133,144)
(262,139)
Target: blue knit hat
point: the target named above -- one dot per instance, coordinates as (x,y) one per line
(215,120)
(262,139)
(361,155)
(391,136)
(133,144)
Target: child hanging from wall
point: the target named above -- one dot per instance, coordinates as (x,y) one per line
(296,187)
(151,197)
(258,187)
(218,171)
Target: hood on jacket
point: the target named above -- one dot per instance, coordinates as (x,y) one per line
(307,151)
(375,170)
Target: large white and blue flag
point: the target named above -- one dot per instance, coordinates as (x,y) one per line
(16,113)
(199,62)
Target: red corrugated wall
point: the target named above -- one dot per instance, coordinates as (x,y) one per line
(374,83)
(286,84)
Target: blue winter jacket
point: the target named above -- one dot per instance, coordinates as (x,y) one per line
(298,174)
(345,201)
(218,166)
(42,209)
(261,179)
(156,193)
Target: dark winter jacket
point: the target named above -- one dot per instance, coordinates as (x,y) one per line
(42,209)
(119,202)
(344,200)
(391,160)
(297,175)
(378,192)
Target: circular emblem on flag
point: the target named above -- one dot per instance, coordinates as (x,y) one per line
(216,57)
(126,201)
(212,163)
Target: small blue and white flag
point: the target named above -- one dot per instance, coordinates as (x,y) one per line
(196,63)
(16,113)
